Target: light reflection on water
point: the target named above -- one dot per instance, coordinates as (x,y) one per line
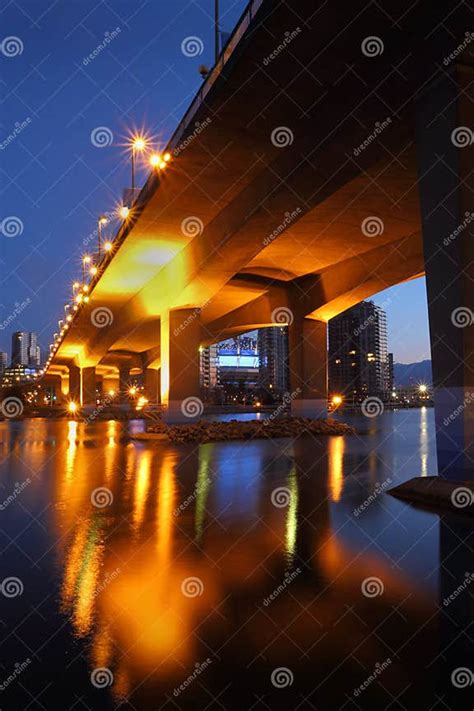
(119,575)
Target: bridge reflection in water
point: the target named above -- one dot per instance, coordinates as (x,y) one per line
(148,560)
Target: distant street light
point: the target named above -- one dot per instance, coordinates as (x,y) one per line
(138,145)
(124,212)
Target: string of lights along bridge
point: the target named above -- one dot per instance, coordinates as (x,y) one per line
(93,265)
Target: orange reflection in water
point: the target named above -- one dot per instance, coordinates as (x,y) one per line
(142,485)
(336,466)
(81,575)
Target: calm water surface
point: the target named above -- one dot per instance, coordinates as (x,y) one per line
(251,575)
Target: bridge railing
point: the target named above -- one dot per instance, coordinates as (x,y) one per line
(240,29)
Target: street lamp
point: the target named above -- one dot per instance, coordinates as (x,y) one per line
(138,145)
(107,246)
(85,260)
(124,212)
(100,222)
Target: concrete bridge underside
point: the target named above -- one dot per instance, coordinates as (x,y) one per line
(315,180)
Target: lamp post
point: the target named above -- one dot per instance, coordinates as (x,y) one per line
(138,144)
(216,29)
(100,222)
(85,260)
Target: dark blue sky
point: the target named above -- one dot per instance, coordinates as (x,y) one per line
(55,182)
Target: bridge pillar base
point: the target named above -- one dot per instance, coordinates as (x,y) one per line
(152,385)
(307,341)
(180,359)
(88,385)
(446,186)
(309,408)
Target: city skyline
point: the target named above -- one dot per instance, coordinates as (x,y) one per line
(67,182)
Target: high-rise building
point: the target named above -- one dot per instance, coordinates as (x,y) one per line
(358,359)
(3,362)
(209,367)
(273,358)
(25,349)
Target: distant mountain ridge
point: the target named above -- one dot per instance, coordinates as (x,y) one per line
(413,373)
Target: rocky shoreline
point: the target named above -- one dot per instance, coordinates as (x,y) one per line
(202,431)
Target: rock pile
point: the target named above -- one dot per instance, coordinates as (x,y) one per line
(251,429)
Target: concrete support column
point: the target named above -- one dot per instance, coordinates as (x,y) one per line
(88,385)
(307,348)
(74,383)
(445,122)
(152,385)
(179,345)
